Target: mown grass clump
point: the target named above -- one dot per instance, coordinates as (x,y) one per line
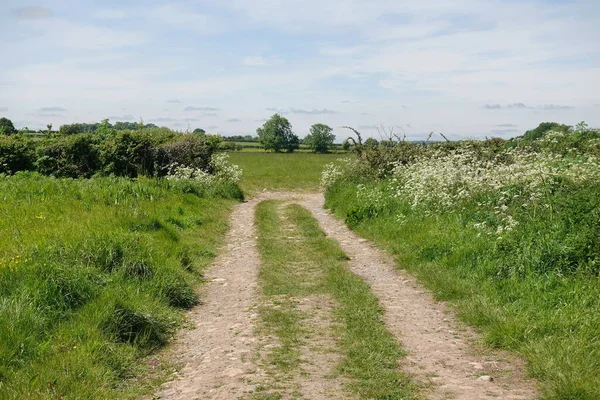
(94,274)
(505,231)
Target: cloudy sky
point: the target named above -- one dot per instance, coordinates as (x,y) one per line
(467,68)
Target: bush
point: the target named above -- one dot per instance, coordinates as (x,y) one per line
(16,154)
(192,151)
(72,156)
(131,153)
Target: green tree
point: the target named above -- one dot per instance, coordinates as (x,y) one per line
(199,131)
(320,139)
(276,134)
(543,128)
(371,143)
(7,127)
(70,129)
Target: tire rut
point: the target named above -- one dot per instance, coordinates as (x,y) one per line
(442,355)
(441,352)
(217,352)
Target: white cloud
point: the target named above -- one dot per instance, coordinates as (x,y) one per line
(254,61)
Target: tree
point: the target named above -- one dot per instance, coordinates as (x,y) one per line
(199,131)
(320,139)
(276,134)
(543,128)
(7,127)
(371,143)
(70,129)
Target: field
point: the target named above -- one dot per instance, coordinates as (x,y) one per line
(276,171)
(96,272)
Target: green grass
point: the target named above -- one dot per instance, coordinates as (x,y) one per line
(94,275)
(517,291)
(280,171)
(311,264)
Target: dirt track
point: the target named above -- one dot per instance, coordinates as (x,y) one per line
(442,353)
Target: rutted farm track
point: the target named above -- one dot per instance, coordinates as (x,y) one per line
(224,355)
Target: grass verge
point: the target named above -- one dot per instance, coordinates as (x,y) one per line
(550,317)
(94,275)
(308,263)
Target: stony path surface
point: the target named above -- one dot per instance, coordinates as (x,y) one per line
(441,352)
(218,353)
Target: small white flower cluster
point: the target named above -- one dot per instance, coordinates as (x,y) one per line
(446,178)
(225,170)
(331,174)
(222,169)
(442,179)
(375,197)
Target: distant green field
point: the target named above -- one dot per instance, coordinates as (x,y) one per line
(281,171)
(256,146)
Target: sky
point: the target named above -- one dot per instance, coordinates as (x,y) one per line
(465,68)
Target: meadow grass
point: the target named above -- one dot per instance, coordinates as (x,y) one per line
(94,275)
(515,290)
(300,261)
(281,171)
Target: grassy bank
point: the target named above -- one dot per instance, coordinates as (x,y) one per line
(94,275)
(507,236)
(299,261)
(278,171)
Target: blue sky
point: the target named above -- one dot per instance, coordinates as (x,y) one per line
(467,68)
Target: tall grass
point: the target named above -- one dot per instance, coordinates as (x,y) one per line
(509,237)
(93,275)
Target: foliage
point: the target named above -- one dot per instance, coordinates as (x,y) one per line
(70,156)
(199,131)
(371,142)
(7,127)
(506,230)
(70,129)
(16,154)
(320,139)
(543,128)
(94,274)
(191,151)
(130,153)
(276,134)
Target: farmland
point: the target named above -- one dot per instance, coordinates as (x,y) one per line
(100,256)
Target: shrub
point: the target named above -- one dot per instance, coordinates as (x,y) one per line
(192,151)
(16,154)
(131,153)
(72,156)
